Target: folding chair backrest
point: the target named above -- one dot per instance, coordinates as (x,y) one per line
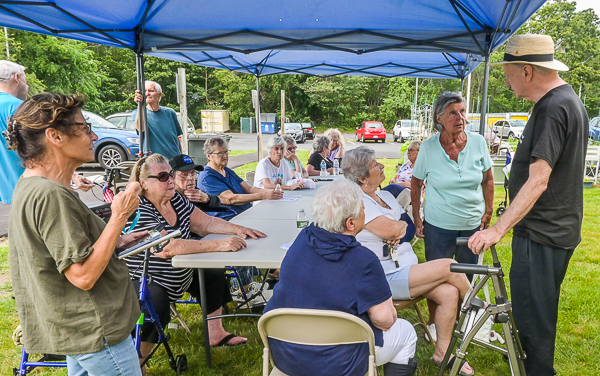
(249,177)
(315,327)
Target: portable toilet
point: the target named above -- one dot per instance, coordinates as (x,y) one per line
(268,122)
(248,125)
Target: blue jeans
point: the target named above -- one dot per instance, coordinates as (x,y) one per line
(116,360)
(441,243)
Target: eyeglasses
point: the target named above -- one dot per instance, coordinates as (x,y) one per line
(163,176)
(291,148)
(412,150)
(188,176)
(88,125)
(222,153)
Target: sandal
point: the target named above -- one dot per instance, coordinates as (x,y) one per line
(451,364)
(225,341)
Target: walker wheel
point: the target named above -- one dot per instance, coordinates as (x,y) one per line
(500,211)
(181,361)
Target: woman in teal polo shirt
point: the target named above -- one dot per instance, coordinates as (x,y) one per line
(459,193)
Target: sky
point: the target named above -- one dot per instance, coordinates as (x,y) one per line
(586,4)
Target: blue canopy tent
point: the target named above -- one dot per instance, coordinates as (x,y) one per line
(389,38)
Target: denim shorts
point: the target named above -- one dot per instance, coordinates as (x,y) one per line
(116,360)
(441,243)
(399,283)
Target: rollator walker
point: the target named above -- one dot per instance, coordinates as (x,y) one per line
(469,322)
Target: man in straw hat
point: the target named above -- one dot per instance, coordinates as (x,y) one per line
(546,194)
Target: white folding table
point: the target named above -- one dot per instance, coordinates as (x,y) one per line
(275,218)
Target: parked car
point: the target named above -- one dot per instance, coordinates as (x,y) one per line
(595,129)
(404,131)
(295,131)
(309,131)
(492,139)
(114,145)
(371,130)
(513,128)
(123,120)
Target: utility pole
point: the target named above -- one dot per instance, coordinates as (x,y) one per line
(182,99)
(6,40)
(282,112)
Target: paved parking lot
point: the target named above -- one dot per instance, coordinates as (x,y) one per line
(389,149)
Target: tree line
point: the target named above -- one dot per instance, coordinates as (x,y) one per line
(107,77)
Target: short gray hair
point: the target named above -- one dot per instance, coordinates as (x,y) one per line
(441,104)
(335,203)
(355,163)
(289,140)
(275,141)
(8,69)
(415,143)
(321,142)
(157,86)
(209,145)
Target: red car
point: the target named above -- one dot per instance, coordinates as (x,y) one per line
(371,130)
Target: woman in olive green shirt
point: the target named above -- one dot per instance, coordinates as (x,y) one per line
(73,295)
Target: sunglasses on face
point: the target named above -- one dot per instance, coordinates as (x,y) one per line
(163,176)
(412,151)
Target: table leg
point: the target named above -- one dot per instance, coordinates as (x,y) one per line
(204,316)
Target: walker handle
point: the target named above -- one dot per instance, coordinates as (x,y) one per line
(469,269)
(462,241)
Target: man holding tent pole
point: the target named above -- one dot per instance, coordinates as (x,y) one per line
(163,128)
(546,194)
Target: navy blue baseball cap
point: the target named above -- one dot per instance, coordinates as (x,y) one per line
(184,163)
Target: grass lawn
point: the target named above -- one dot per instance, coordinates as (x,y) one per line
(578,340)
(233,153)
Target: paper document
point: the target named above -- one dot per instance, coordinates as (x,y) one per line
(290,198)
(286,246)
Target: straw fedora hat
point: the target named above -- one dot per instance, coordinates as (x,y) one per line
(532,49)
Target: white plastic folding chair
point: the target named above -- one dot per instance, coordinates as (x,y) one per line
(592,160)
(249,177)
(313,327)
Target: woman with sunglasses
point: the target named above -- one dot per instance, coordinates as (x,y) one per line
(292,159)
(73,295)
(161,204)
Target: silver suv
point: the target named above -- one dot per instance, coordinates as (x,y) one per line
(405,130)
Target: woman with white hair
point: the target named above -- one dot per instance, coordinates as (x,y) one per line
(321,153)
(385,228)
(350,279)
(336,146)
(273,170)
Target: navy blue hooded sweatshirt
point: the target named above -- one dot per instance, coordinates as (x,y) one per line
(323,270)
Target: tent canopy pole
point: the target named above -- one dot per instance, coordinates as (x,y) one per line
(483,114)
(141,114)
(258,124)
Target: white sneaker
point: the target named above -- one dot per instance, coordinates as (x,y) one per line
(432,331)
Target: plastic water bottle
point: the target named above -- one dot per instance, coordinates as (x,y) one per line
(336,166)
(323,168)
(301,220)
(278,188)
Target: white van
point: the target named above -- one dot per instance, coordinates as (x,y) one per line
(404,131)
